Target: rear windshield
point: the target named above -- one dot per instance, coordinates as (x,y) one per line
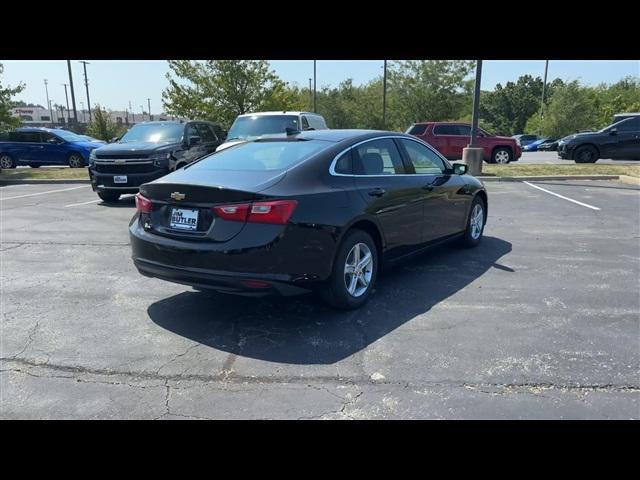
(157,133)
(252,127)
(264,156)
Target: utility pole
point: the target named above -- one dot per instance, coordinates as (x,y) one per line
(472,154)
(314,87)
(133,115)
(73,96)
(142,110)
(149,106)
(67,98)
(86,86)
(46,89)
(384,96)
(82,111)
(544,87)
(310,96)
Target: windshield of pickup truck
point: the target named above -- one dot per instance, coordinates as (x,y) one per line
(251,127)
(158,133)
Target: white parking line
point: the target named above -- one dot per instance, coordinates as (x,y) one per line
(44,193)
(83,203)
(562,196)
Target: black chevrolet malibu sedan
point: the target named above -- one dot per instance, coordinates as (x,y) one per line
(318,210)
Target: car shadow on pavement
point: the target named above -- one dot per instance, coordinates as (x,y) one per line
(303,330)
(126,202)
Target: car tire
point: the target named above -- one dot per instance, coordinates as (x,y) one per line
(473,233)
(501,156)
(109,197)
(7,161)
(586,154)
(75,160)
(343,291)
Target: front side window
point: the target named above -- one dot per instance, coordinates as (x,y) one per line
(305,123)
(629,125)
(317,122)
(424,160)
(377,157)
(464,130)
(206,134)
(49,138)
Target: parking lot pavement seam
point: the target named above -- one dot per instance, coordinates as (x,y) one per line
(347,402)
(296,380)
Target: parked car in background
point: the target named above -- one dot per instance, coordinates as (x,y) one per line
(44,146)
(318,210)
(535,146)
(450,138)
(524,140)
(549,146)
(148,151)
(252,126)
(620,140)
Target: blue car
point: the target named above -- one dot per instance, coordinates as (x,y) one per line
(44,146)
(533,146)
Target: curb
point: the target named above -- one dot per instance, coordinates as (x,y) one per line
(44,181)
(550,177)
(629,179)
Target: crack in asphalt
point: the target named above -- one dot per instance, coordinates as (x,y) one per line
(191,347)
(346,403)
(29,341)
(296,380)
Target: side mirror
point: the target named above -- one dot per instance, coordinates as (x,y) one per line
(460,168)
(613,131)
(194,140)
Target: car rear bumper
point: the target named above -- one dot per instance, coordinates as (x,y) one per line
(251,263)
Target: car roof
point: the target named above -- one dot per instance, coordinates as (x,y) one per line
(338,135)
(281,112)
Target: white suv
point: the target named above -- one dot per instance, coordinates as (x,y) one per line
(251,126)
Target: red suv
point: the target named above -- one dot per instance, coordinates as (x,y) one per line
(450,138)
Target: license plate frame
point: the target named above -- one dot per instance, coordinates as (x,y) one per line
(184,219)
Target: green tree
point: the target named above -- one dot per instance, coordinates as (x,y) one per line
(7,121)
(623,96)
(102,127)
(220,90)
(428,90)
(572,108)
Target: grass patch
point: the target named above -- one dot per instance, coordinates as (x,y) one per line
(515,170)
(44,174)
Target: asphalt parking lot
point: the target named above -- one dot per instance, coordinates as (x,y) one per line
(542,320)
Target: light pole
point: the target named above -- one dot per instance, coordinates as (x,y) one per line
(142,110)
(310,96)
(472,155)
(82,111)
(73,96)
(149,108)
(86,86)
(384,96)
(46,89)
(544,87)
(66,97)
(133,115)
(314,87)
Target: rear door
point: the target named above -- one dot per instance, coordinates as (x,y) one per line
(394,197)
(208,138)
(30,146)
(446,201)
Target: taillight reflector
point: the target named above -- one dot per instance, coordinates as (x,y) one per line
(276,212)
(143,204)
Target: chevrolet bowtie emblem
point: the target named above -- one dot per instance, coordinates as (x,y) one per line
(178,196)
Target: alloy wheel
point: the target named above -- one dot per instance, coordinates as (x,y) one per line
(476,221)
(358,269)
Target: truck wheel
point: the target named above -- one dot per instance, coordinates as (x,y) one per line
(109,197)
(75,160)
(501,155)
(586,154)
(6,161)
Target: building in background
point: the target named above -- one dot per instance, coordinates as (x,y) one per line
(41,117)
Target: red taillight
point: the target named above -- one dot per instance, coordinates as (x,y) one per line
(276,212)
(143,204)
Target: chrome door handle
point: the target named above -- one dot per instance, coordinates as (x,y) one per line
(377,192)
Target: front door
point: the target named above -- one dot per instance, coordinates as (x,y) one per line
(392,196)
(628,139)
(52,151)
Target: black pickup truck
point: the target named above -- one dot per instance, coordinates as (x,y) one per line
(148,151)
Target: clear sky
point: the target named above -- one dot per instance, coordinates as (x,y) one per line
(115,83)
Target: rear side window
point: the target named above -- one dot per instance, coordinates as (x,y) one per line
(377,157)
(445,130)
(343,164)
(317,122)
(206,134)
(305,123)
(417,129)
(29,137)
